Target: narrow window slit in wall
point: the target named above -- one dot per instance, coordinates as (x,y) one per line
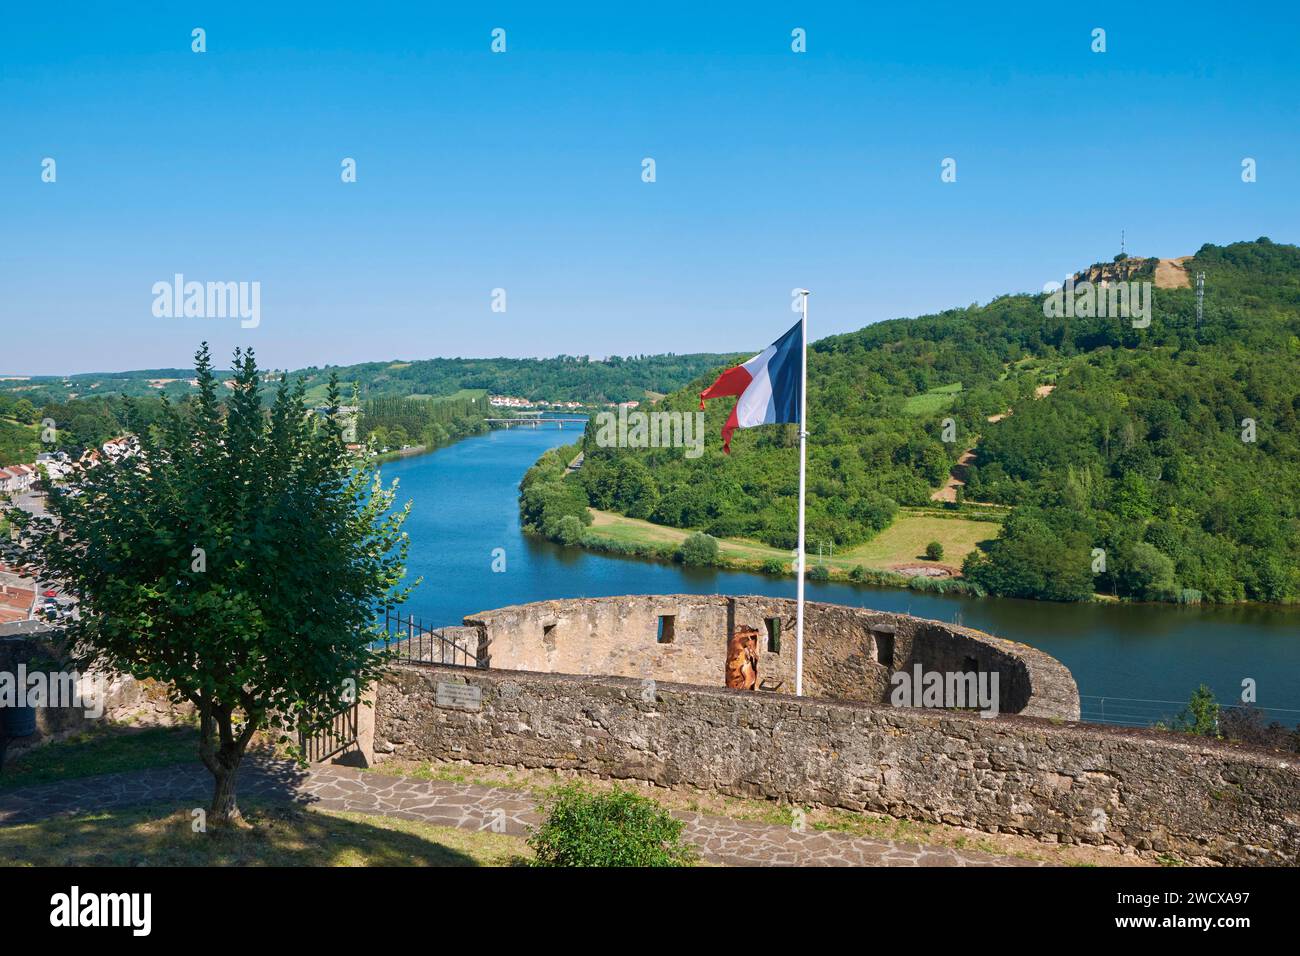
(884,638)
(773,635)
(665,635)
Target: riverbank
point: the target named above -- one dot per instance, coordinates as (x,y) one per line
(1134,663)
(409,452)
(894,558)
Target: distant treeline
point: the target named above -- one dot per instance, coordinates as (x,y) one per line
(431,422)
(565,378)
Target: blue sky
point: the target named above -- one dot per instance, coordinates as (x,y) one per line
(522,170)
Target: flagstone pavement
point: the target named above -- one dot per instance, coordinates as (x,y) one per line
(467,806)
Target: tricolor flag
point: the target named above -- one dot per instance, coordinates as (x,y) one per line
(768,385)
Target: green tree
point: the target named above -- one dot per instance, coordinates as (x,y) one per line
(700,549)
(1146,573)
(1030,559)
(239,558)
(569,530)
(934,551)
(25,412)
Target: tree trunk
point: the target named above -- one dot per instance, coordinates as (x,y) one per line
(222,750)
(224,810)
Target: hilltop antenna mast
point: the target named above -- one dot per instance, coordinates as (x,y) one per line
(1200,301)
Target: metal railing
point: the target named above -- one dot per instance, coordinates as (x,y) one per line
(409,641)
(1146,711)
(338,736)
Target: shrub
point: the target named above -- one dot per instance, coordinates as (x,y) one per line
(819,572)
(858,574)
(699,548)
(1200,716)
(617,828)
(773,566)
(569,530)
(934,551)
(1248,724)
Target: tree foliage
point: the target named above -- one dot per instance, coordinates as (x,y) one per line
(239,559)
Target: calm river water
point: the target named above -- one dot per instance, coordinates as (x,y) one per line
(1132,662)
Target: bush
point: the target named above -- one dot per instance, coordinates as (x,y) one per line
(858,574)
(773,566)
(1200,716)
(1248,724)
(569,530)
(617,828)
(699,548)
(819,572)
(934,551)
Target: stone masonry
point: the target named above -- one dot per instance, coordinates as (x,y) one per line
(1201,801)
(850,653)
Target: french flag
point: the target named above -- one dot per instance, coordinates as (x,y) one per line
(768,385)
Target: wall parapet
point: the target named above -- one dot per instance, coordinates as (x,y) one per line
(849,653)
(1154,793)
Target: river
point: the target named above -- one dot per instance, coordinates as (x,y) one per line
(1133,663)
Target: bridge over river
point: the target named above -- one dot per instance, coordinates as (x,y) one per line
(535,422)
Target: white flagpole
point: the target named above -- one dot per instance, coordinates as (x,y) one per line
(803,468)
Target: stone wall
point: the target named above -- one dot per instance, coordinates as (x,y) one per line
(126,699)
(849,653)
(1204,802)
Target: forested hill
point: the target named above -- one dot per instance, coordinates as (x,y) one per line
(448,395)
(564,378)
(1167,461)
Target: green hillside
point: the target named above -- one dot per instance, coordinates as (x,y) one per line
(1134,457)
(429,402)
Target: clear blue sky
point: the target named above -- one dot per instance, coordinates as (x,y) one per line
(523,170)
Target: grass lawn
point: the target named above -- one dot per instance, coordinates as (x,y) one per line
(903,542)
(933,401)
(275,836)
(108,750)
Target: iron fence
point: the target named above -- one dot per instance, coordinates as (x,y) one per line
(410,641)
(338,736)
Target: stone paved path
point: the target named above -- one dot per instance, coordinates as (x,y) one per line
(466,806)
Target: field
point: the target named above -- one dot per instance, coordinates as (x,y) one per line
(903,542)
(933,401)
